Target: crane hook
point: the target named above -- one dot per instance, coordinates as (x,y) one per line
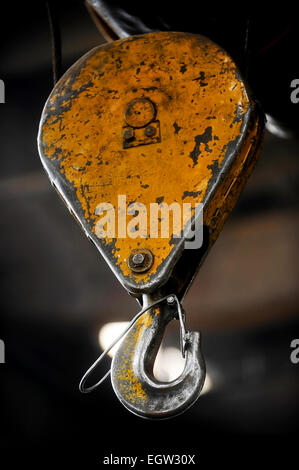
(132,367)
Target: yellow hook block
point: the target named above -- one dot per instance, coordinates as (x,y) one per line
(165,119)
(160,118)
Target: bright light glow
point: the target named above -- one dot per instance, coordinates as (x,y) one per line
(208,385)
(169,363)
(109,332)
(273,126)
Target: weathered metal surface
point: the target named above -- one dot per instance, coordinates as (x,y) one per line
(209,133)
(132,370)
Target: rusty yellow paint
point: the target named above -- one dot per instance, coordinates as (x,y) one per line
(129,383)
(229,191)
(200,103)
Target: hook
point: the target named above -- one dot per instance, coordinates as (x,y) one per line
(132,366)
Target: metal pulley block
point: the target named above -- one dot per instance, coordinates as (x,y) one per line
(136,131)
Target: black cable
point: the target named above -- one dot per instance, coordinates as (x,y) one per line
(55,39)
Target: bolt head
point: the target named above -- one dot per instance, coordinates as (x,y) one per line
(128,134)
(138,259)
(170,300)
(150,131)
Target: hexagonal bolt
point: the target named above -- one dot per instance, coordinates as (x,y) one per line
(138,259)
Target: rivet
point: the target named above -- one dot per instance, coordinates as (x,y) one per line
(128,134)
(150,131)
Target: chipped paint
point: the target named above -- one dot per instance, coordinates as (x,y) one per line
(128,383)
(201,105)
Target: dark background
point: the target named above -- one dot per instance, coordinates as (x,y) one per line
(56,290)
